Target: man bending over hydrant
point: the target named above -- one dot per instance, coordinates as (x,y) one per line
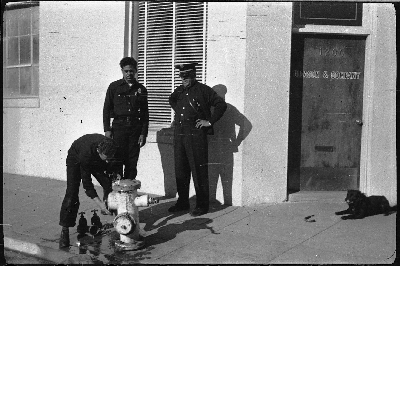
(91,154)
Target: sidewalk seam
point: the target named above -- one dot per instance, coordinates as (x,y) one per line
(305,240)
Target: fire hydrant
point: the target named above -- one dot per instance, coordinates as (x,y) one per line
(125,200)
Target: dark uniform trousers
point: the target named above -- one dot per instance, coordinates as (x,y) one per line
(126,133)
(70,204)
(191,157)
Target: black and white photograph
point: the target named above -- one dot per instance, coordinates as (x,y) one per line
(199,200)
(215,133)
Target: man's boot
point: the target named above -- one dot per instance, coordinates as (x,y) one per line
(64,237)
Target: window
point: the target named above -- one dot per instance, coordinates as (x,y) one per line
(169,33)
(21,49)
(328,13)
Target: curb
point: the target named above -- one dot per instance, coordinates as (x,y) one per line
(36,250)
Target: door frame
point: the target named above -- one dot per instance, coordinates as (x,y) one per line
(297,171)
(369,31)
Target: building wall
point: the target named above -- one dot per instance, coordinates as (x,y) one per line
(269,30)
(381,163)
(81,44)
(226,60)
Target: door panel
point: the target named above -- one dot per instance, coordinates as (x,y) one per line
(325,112)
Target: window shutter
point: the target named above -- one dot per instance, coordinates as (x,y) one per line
(155,56)
(190,37)
(169,33)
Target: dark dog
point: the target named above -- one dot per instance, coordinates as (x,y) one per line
(361,206)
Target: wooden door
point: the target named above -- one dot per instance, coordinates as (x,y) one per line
(327,76)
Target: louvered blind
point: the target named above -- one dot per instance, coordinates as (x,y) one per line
(169,33)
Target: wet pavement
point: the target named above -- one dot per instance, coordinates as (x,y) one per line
(17,258)
(296,232)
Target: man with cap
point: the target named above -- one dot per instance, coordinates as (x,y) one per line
(192,102)
(126,102)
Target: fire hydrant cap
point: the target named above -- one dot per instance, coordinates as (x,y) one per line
(125,185)
(124,223)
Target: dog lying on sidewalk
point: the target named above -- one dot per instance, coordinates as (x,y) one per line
(361,206)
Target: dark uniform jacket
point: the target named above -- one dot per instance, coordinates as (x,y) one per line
(125,101)
(202,98)
(83,151)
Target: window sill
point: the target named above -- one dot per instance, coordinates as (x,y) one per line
(29,102)
(349,30)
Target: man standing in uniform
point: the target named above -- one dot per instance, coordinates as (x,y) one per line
(126,102)
(192,102)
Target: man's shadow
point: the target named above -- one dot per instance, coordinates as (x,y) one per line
(222,146)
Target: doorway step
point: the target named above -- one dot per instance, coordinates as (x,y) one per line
(325,196)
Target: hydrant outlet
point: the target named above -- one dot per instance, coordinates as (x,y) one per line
(124,223)
(142,201)
(145,200)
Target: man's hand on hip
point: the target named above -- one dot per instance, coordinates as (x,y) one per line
(202,123)
(108,134)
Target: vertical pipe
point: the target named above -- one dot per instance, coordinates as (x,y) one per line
(135,30)
(126,29)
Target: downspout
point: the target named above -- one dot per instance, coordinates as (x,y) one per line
(135,30)
(127,29)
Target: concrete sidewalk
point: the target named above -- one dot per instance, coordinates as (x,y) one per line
(266,234)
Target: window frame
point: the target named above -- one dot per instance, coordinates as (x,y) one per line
(300,20)
(18,98)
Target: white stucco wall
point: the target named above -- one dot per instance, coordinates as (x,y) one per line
(226,52)
(382,178)
(81,44)
(269,30)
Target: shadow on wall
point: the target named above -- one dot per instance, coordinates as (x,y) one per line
(165,141)
(221,147)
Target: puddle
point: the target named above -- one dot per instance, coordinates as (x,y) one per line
(101,250)
(157,229)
